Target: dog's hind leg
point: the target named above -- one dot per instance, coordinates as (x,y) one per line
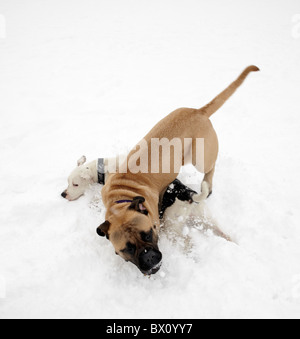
(204,192)
(208,178)
(206,186)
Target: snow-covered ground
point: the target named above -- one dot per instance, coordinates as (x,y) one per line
(92,77)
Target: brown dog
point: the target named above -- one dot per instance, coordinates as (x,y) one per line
(132,198)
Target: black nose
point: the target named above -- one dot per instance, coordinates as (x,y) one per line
(64,194)
(149,260)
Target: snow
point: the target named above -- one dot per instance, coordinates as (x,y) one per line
(92,77)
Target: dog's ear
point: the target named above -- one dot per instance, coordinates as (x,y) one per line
(102,230)
(137,204)
(81,161)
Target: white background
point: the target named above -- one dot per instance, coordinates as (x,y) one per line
(92,77)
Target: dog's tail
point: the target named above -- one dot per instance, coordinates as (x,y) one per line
(219,100)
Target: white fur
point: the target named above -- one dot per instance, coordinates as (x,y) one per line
(81,178)
(86,174)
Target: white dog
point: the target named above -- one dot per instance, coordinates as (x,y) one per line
(86,174)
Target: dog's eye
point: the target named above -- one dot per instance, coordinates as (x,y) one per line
(130,248)
(75,185)
(147,237)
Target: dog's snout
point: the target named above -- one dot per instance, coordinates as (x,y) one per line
(149,260)
(64,194)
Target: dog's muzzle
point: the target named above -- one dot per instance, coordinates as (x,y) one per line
(150,261)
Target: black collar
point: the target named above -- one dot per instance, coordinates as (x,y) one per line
(101,171)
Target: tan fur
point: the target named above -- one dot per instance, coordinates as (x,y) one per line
(182,123)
